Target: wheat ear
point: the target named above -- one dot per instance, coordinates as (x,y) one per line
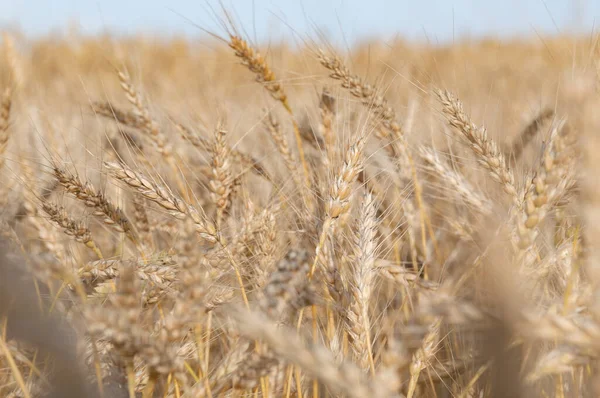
(528,134)
(389,131)
(340,193)
(5,105)
(72,228)
(221,182)
(243,158)
(361,285)
(476,200)
(265,76)
(486,150)
(551,179)
(164,198)
(87,194)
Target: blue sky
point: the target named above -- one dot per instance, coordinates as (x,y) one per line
(435,20)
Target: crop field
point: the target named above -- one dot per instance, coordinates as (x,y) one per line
(224,218)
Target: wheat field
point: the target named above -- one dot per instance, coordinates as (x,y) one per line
(219,218)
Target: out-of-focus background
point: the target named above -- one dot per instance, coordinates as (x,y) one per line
(338,20)
(507,60)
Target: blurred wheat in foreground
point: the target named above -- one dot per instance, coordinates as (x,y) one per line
(210,220)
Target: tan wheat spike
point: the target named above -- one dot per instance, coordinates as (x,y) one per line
(110,111)
(340,193)
(149,126)
(394,139)
(365,92)
(72,228)
(274,129)
(264,75)
(528,134)
(145,122)
(327,112)
(361,285)
(141,220)
(422,357)
(5,106)
(164,198)
(244,159)
(160,269)
(487,151)
(221,182)
(337,205)
(456,181)
(87,194)
(550,181)
(392,133)
(560,360)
